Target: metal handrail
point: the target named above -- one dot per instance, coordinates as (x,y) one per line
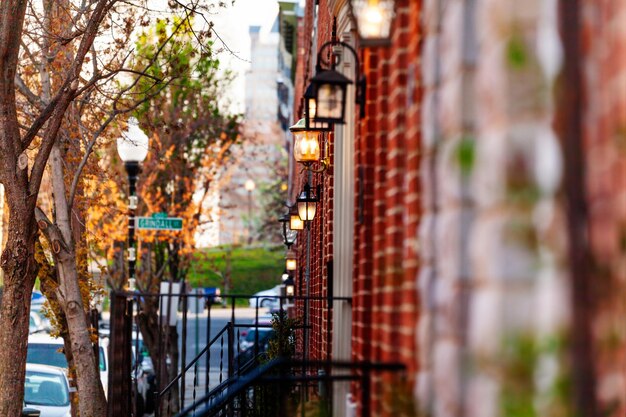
(239,384)
(193,362)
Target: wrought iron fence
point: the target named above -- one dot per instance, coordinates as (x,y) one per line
(216,346)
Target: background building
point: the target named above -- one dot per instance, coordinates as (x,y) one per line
(235,216)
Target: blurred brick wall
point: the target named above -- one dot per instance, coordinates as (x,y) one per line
(492,283)
(604,78)
(458,142)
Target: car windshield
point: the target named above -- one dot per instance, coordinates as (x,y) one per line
(46,354)
(42,388)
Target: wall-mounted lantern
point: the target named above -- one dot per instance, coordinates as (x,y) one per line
(290,287)
(330,89)
(289,236)
(291,261)
(325,97)
(307,148)
(295,222)
(307,204)
(373,20)
(310,111)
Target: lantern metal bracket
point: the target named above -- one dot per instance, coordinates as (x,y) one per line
(325,161)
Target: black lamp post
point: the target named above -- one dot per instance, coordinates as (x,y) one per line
(133,149)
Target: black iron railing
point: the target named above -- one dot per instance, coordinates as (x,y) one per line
(216,339)
(279,387)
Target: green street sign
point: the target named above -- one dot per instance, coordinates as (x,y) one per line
(159,223)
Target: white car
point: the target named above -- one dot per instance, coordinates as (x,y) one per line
(46,350)
(46,389)
(37,309)
(36,324)
(267,298)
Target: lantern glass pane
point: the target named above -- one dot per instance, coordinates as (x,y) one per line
(306,146)
(312,109)
(290,264)
(289,289)
(295,222)
(306,210)
(373,18)
(330,101)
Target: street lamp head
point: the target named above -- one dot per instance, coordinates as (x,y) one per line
(133,145)
(249,186)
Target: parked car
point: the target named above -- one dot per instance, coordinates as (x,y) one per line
(268,298)
(264,319)
(35,324)
(44,349)
(247,357)
(46,389)
(265,334)
(37,308)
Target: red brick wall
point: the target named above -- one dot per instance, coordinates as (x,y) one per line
(387,173)
(387,214)
(321,249)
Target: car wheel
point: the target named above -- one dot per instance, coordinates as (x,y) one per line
(266,303)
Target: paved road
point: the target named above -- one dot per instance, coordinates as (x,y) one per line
(198,328)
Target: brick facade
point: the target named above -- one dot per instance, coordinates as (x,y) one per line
(387,207)
(462,265)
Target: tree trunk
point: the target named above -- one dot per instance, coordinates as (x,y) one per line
(91,400)
(20,271)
